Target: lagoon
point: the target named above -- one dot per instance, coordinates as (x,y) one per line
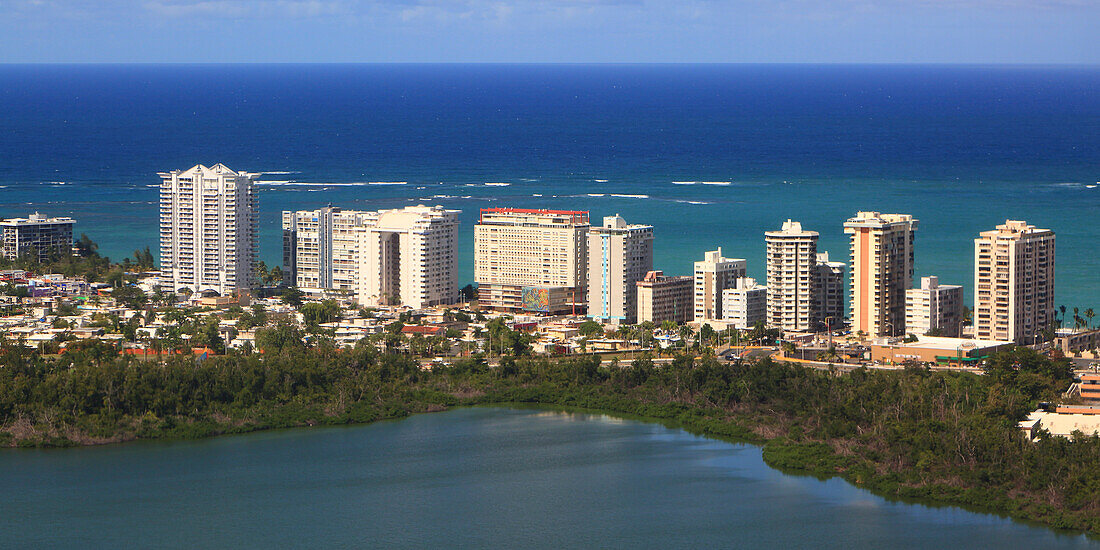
(466,478)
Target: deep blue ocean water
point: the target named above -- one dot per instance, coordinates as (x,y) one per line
(962,148)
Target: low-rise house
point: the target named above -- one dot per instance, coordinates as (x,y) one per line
(1060,423)
(955,352)
(1075,343)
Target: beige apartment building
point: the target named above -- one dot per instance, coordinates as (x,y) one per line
(1014,282)
(934,308)
(404,256)
(208,230)
(792,278)
(531,260)
(713,275)
(881,271)
(663,298)
(619,255)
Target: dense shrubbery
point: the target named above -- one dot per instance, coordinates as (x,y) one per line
(949,437)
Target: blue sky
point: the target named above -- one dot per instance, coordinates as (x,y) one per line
(844,31)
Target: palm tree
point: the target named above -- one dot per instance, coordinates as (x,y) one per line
(1062,308)
(1089,314)
(685,334)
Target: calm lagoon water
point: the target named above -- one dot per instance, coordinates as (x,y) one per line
(468,478)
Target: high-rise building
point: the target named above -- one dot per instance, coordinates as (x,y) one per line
(619,255)
(531,260)
(713,275)
(1013,282)
(792,278)
(662,298)
(934,308)
(881,271)
(208,230)
(830,290)
(745,304)
(403,256)
(36,235)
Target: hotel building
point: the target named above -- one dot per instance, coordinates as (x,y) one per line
(713,275)
(403,256)
(934,307)
(1014,282)
(745,304)
(619,255)
(662,298)
(531,260)
(208,230)
(881,271)
(38,235)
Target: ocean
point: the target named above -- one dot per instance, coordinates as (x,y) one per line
(961,148)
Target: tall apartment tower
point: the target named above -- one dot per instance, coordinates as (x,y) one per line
(36,235)
(619,255)
(713,275)
(531,260)
(934,307)
(882,270)
(404,256)
(830,290)
(1013,282)
(208,229)
(792,278)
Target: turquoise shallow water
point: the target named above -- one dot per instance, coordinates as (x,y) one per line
(962,148)
(469,478)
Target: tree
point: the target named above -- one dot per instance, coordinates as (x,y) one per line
(143,259)
(467,293)
(590,329)
(130,296)
(275,276)
(85,246)
(279,338)
(292,297)
(1089,314)
(316,313)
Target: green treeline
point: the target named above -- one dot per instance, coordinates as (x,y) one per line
(941,436)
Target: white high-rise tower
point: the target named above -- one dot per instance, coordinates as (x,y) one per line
(208,230)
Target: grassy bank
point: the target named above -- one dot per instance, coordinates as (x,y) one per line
(938,437)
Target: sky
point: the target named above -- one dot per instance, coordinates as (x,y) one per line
(551,31)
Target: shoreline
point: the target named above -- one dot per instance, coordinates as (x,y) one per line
(728,431)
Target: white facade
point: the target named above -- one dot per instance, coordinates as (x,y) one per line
(619,255)
(208,229)
(1014,282)
(793,302)
(745,304)
(405,256)
(713,275)
(934,307)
